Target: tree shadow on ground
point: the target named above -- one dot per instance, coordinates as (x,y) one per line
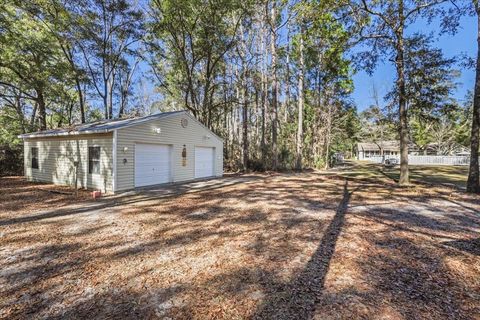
(297,299)
(469,245)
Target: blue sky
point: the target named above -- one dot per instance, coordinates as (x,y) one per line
(384,76)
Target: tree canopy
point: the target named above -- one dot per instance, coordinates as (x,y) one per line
(272,77)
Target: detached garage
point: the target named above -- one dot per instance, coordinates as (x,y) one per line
(124,154)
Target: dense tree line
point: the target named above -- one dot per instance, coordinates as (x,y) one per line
(272,77)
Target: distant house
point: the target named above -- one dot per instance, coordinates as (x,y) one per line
(122,154)
(367,150)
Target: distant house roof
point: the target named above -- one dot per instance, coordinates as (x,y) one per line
(390,145)
(101,126)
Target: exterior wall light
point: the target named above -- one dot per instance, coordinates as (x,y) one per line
(184,156)
(157,130)
(125,149)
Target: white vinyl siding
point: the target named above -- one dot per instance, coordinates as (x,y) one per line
(171,133)
(152,164)
(204,162)
(56,156)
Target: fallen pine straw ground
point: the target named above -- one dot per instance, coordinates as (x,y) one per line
(284,246)
(19,197)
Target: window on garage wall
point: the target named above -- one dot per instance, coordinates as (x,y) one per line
(34,158)
(93,160)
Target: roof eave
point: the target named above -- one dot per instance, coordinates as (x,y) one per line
(62,134)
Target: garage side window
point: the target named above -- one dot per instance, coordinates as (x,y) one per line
(34,158)
(93,159)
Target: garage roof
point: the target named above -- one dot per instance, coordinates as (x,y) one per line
(101,126)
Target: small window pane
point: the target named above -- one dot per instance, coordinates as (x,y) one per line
(34,158)
(93,159)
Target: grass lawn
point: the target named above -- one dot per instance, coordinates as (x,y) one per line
(275,246)
(447,175)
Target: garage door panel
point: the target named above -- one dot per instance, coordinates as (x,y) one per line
(204,162)
(152,164)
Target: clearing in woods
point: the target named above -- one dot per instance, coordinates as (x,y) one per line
(307,245)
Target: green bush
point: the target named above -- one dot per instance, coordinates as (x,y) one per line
(11,162)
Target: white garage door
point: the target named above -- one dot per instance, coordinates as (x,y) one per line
(204,162)
(152,164)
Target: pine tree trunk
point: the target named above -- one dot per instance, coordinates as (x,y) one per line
(403,127)
(287,77)
(264,101)
(232,134)
(473,183)
(273,44)
(328,134)
(34,115)
(110,96)
(245,123)
(298,162)
(80,99)
(105,98)
(402,103)
(264,124)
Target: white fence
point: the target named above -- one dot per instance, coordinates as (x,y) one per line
(426,160)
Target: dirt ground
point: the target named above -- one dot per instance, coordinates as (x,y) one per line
(281,246)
